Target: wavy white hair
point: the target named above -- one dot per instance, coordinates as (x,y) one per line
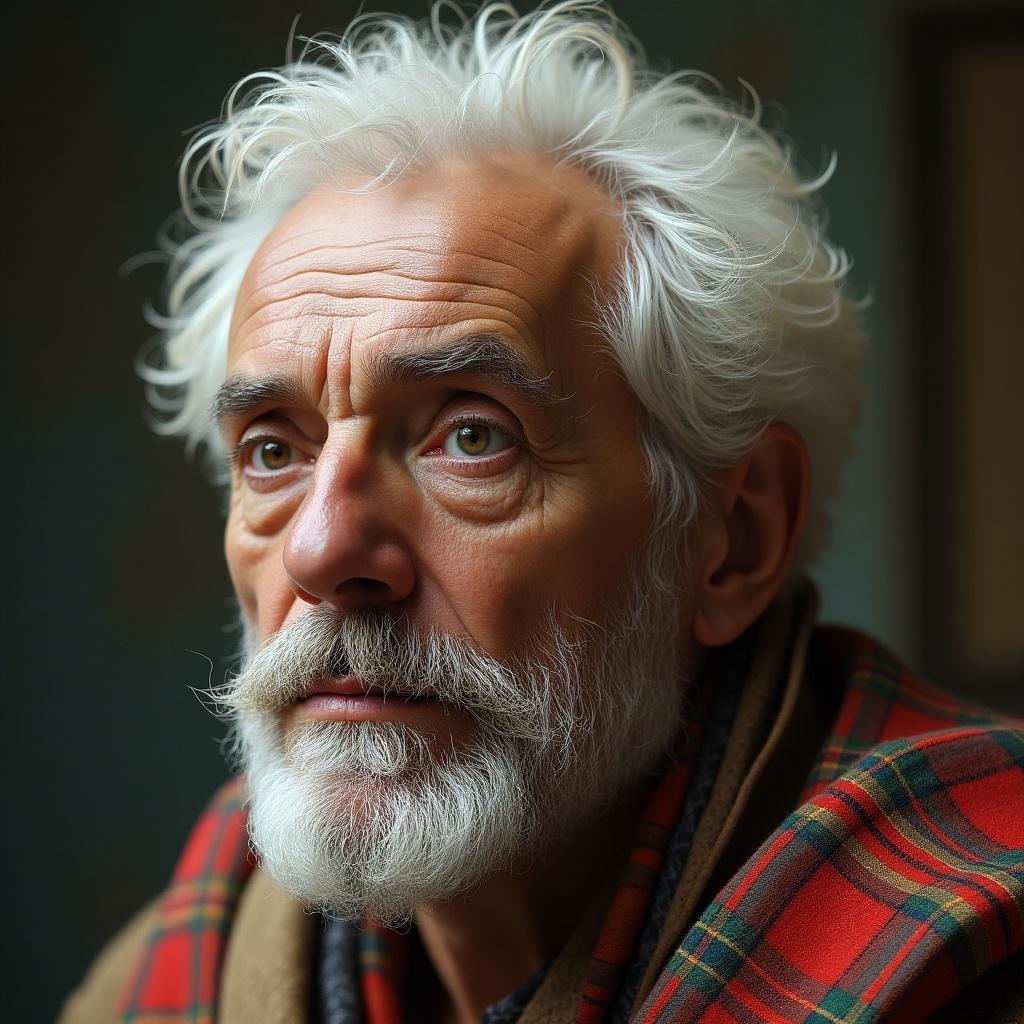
(728,312)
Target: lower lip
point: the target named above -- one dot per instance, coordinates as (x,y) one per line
(364,707)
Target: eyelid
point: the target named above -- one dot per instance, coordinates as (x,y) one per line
(237,454)
(469,419)
(273,424)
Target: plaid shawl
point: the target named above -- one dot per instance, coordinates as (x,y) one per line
(897,882)
(177,978)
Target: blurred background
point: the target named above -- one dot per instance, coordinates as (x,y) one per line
(115,599)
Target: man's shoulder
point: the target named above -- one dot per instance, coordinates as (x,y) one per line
(903,701)
(880,700)
(908,830)
(96,999)
(189,922)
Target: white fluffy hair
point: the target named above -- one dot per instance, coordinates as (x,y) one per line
(728,312)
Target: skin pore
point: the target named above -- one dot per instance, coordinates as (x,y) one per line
(421,421)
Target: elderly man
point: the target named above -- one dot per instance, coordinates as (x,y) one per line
(533,376)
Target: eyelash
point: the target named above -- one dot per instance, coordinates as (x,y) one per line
(237,455)
(468,420)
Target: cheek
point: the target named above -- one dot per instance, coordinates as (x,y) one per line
(268,514)
(585,567)
(241,560)
(261,586)
(503,581)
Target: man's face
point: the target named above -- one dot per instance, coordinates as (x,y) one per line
(425,428)
(464,499)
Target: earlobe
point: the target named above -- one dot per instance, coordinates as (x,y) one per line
(745,546)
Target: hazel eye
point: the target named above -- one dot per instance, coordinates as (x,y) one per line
(475,440)
(271,456)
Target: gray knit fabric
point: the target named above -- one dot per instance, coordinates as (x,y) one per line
(336,990)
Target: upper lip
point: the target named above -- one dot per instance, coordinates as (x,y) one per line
(353,686)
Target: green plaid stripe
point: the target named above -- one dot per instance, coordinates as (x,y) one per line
(857,905)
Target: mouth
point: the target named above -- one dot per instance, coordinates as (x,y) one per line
(350,699)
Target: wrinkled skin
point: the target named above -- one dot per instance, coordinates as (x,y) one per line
(369,508)
(373,501)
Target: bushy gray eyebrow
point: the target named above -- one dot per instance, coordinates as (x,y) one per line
(240,394)
(485,356)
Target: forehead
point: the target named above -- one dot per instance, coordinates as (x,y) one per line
(512,245)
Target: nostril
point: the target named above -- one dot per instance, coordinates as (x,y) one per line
(365,583)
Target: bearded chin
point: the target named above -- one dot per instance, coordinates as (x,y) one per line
(368,818)
(378,818)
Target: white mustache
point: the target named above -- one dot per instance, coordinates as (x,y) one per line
(522,697)
(382,817)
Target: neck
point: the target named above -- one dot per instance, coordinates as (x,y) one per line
(486,945)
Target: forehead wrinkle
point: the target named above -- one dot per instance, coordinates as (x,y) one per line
(272,268)
(440,261)
(468,244)
(312,305)
(379,298)
(452,267)
(398,244)
(393,271)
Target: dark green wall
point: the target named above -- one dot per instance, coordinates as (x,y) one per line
(115,600)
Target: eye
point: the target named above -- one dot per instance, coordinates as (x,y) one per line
(271,456)
(476,440)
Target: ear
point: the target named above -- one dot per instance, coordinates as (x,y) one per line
(746,540)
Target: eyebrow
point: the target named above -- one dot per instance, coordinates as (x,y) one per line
(484,356)
(240,394)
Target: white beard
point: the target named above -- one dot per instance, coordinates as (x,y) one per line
(374,818)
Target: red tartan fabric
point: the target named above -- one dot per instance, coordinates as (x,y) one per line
(178,976)
(882,701)
(633,896)
(383,958)
(897,882)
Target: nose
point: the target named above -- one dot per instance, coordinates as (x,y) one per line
(341,548)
